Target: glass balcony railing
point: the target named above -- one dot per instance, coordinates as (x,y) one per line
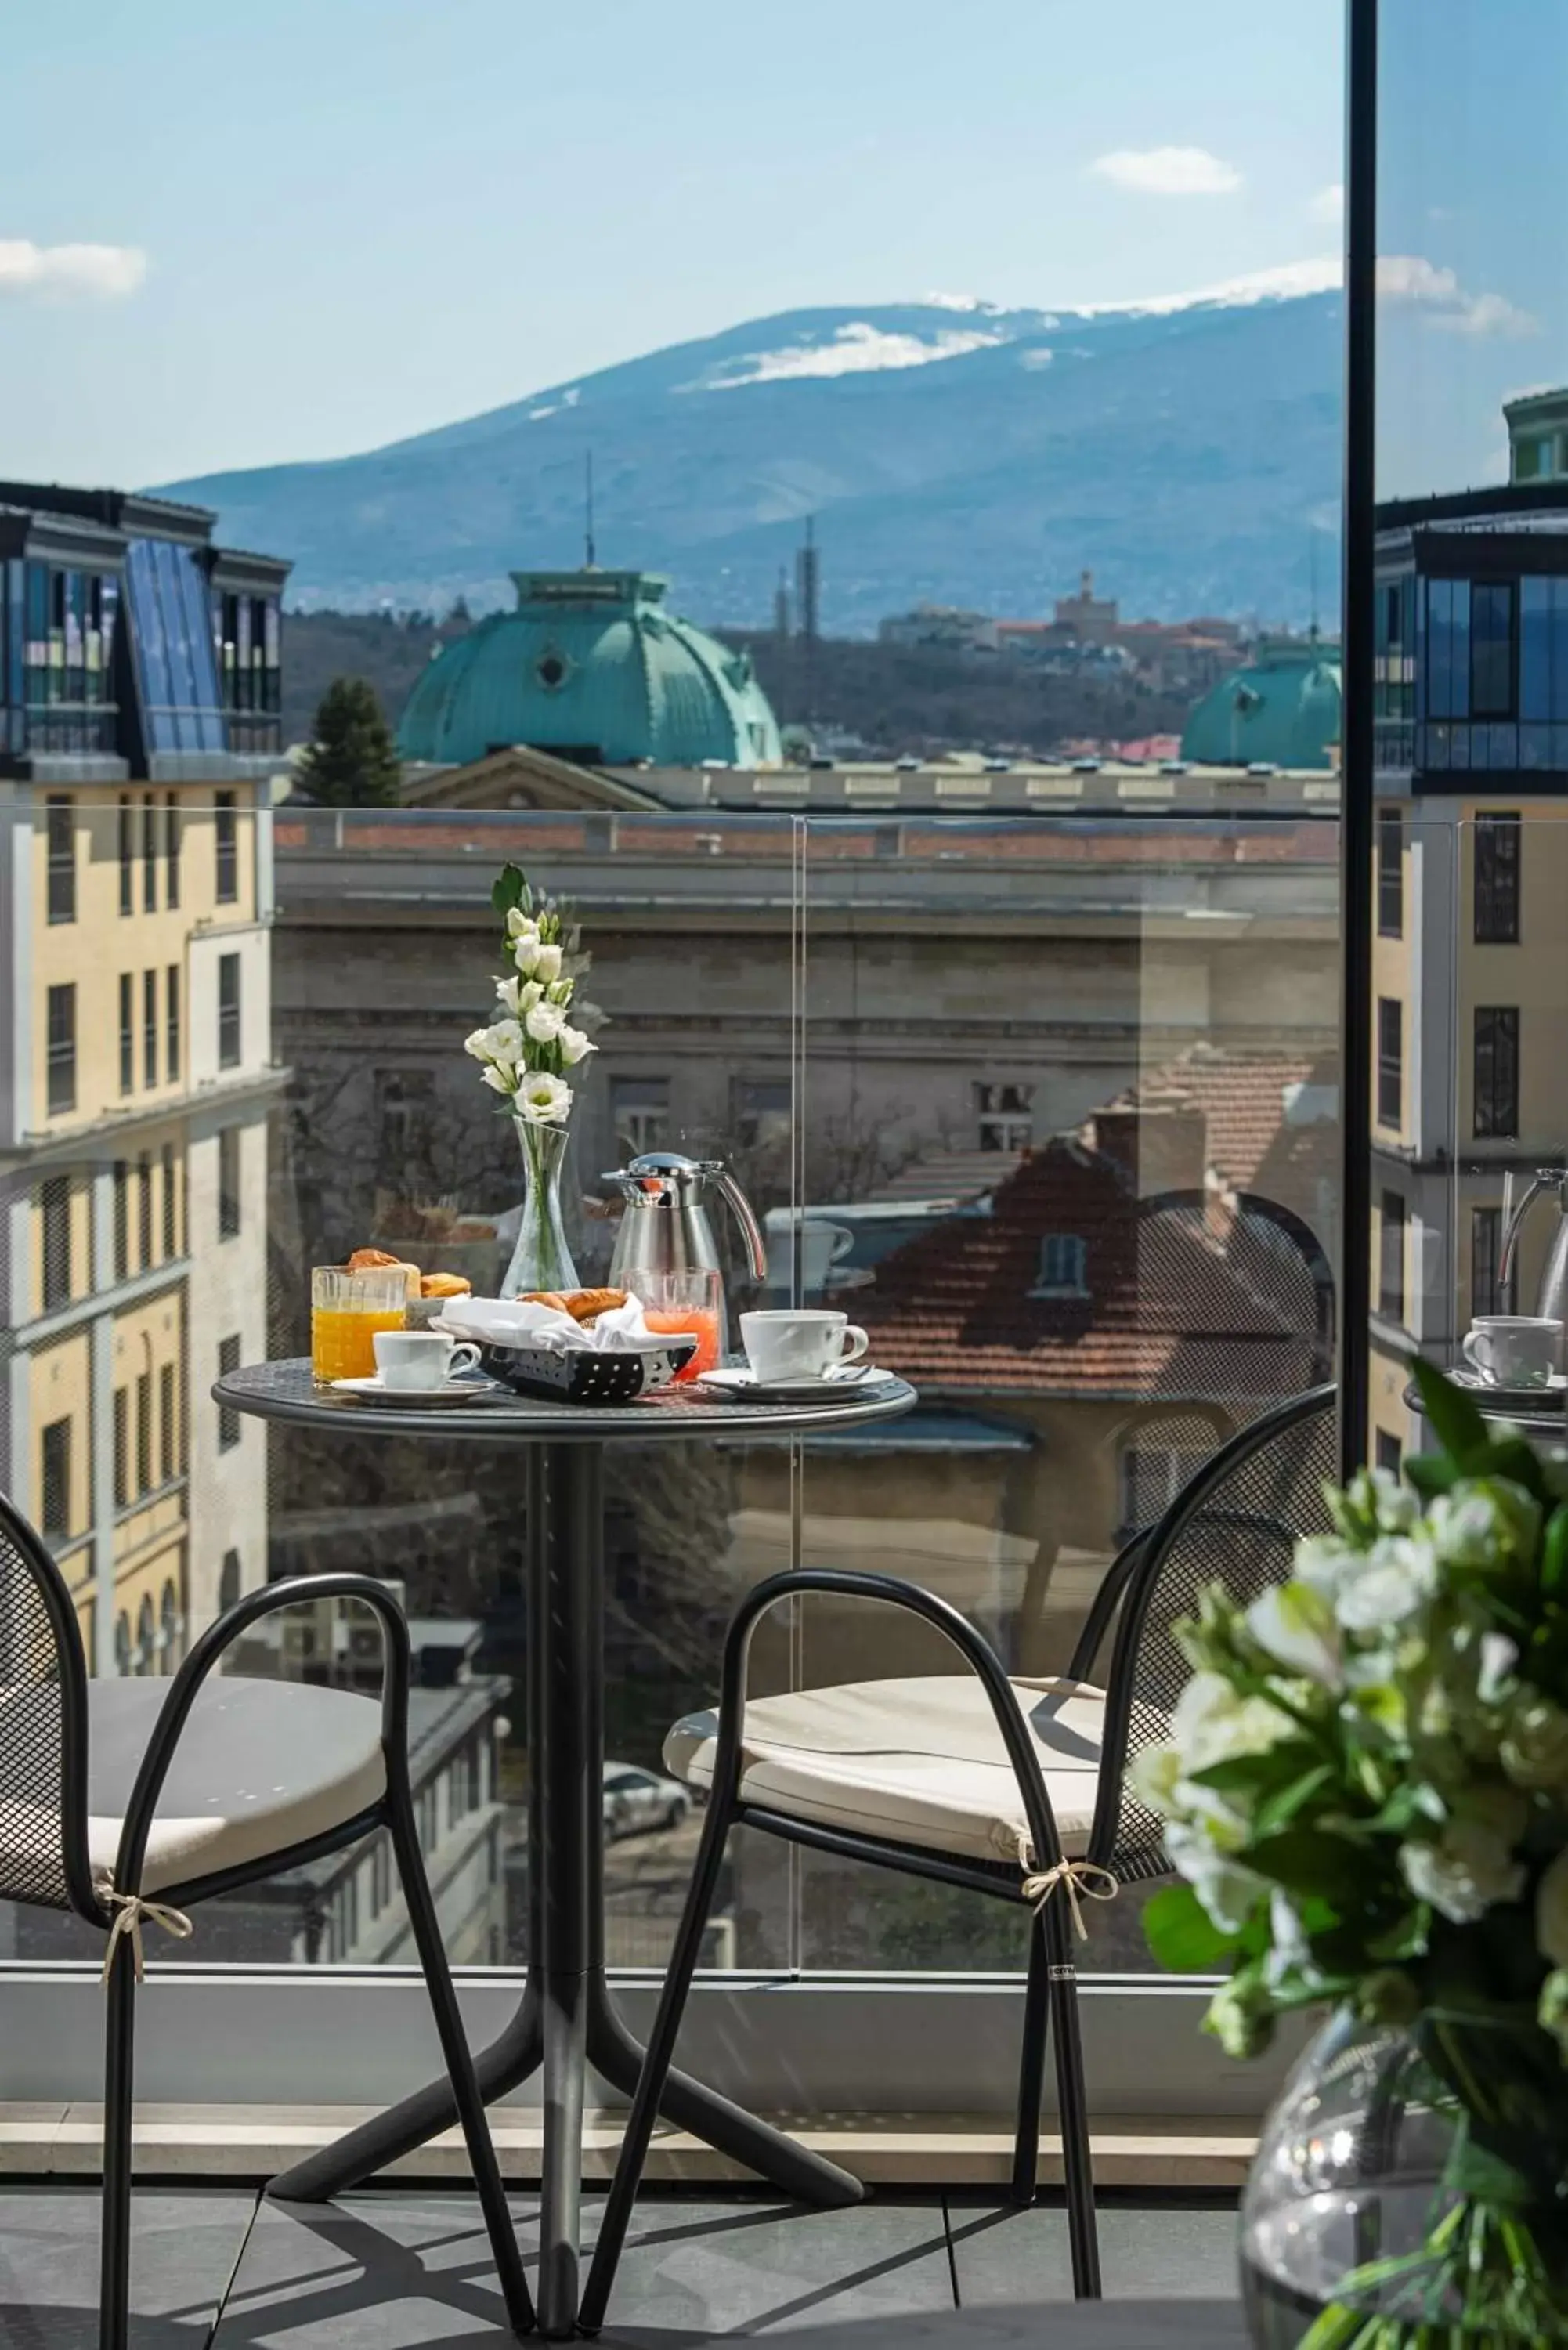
(1049,1105)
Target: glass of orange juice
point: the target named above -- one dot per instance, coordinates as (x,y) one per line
(347,1309)
(690,1302)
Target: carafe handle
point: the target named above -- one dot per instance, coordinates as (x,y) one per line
(745,1216)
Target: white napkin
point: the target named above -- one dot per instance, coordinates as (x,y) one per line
(518,1322)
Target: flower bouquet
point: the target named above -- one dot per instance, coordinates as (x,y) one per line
(1365,1790)
(523,1057)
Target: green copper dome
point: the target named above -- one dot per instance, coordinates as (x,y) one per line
(1282,710)
(592,666)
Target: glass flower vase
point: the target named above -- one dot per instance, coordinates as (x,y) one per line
(1410,2188)
(542,1258)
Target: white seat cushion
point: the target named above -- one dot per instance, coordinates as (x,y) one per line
(260,1765)
(919,1760)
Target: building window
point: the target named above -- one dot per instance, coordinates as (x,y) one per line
(228,1183)
(150,1028)
(1151,1475)
(170,1203)
(145,1634)
(173,1042)
(60,1016)
(54,1214)
(408,1119)
(127,855)
(1390,1061)
(1486,1257)
(171,850)
(122,1646)
(761,1112)
(149,854)
(1390,1453)
(1391,1287)
(1491,649)
(144,1431)
(228,1012)
(1390,875)
(1497,1071)
(144,1209)
(126,1032)
(1063,1264)
(121,1447)
(640,1110)
(1499,839)
(121,1220)
(226,848)
(228,1418)
(228,1582)
(168,1629)
(1005,1117)
(168,1424)
(62,863)
(55,1482)
(1448,666)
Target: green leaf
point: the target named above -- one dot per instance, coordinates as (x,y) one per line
(1454,1420)
(1182,1935)
(1431,1474)
(1275,1810)
(1252,1774)
(509,888)
(1309,1860)
(1555,1555)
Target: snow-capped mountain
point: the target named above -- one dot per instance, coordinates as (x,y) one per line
(1185,448)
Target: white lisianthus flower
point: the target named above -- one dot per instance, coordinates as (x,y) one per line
(506,995)
(1535,1744)
(1156,1773)
(1552,1912)
(1499,1656)
(1288,1953)
(520,925)
(575,1046)
(559,990)
(502,1043)
(1325,1561)
(1212,1723)
(544,1021)
(500,1081)
(1397,1575)
(1466,1873)
(1483,1523)
(544,1099)
(1294,1623)
(525,954)
(1227,1891)
(547,963)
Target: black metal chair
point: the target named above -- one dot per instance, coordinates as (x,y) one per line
(1048,1792)
(229,1779)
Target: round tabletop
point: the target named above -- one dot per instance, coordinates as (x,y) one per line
(1538,1411)
(1040,2325)
(287,1391)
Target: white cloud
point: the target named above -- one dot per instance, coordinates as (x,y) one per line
(1167,171)
(104,270)
(1328,205)
(1410,278)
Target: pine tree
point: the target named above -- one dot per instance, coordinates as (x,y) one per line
(351,760)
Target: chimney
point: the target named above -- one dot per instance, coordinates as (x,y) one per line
(1160,1143)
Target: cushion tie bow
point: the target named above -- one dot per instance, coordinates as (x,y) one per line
(130,1910)
(1083,1879)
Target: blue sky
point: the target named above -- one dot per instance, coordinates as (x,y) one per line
(318,226)
(333,223)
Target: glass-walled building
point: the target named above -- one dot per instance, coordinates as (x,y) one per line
(135,780)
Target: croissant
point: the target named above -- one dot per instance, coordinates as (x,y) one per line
(444,1285)
(582,1305)
(370,1260)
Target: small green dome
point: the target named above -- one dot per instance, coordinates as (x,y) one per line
(590,665)
(1282,710)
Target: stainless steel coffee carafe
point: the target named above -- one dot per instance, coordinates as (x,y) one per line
(1554,1295)
(665,1227)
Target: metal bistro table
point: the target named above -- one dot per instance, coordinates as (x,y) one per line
(565,2021)
(1539,1412)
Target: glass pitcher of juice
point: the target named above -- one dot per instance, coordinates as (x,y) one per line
(691,1302)
(347,1309)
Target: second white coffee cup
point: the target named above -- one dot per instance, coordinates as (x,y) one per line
(421,1359)
(1515,1350)
(786,1343)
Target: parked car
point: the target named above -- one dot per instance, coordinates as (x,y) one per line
(637,1800)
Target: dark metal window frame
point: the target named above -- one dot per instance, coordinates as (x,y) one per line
(1390,1061)
(60,1048)
(60,823)
(1494,1102)
(1499,877)
(229,1042)
(1393,1227)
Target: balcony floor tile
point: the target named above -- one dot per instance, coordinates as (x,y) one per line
(1181,2248)
(182,2253)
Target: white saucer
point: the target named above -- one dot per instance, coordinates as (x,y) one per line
(833,1387)
(460,1391)
(1474,1383)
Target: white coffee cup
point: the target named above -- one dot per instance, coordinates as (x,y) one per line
(421,1359)
(784,1343)
(1514,1350)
